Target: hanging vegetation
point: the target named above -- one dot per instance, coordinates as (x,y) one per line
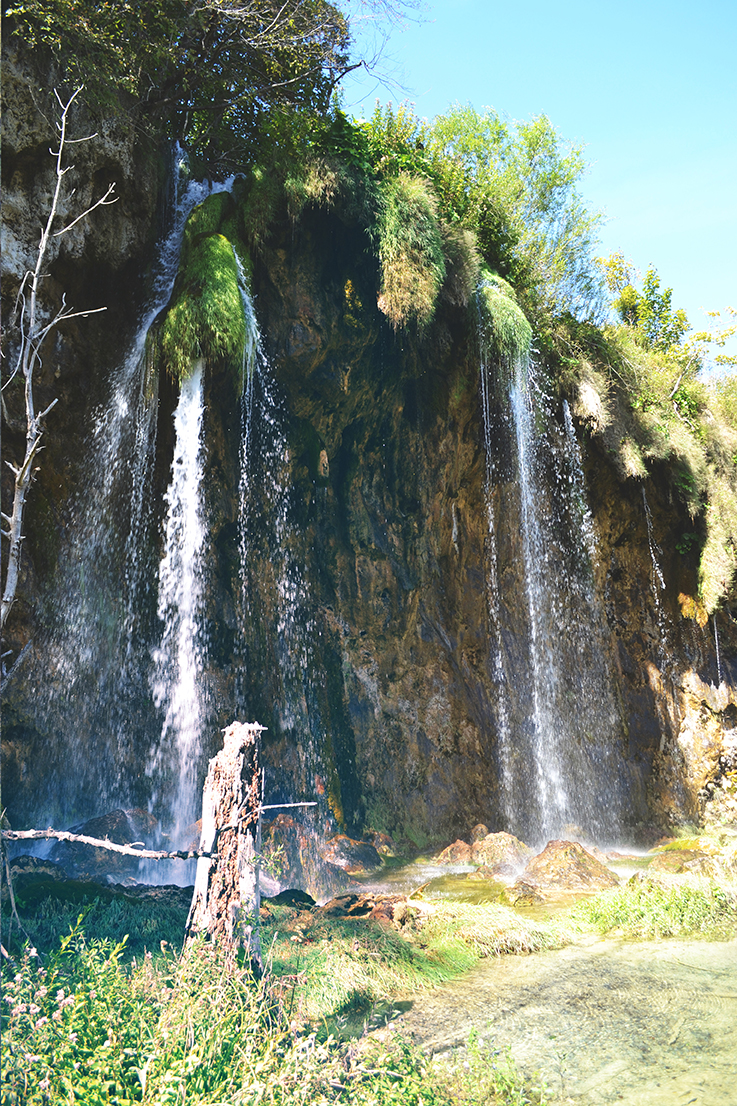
(410,249)
(504,327)
(205,318)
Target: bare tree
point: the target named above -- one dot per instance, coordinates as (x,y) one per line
(33,332)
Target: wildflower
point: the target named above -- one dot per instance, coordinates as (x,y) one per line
(42,992)
(45,1084)
(20,1009)
(33,1009)
(73,1038)
(56,1015)
(33,952)
(60,995)
(40,1022)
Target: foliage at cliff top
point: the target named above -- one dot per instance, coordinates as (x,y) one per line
(638,385)
(207,67)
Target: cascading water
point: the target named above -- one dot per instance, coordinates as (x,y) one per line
(93,689)
(558,727)
(178,660)
(716,645)
(275,596)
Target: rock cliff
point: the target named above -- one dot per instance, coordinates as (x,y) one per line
(395,724)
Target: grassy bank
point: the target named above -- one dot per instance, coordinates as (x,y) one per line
(87,1019)
(85,1027)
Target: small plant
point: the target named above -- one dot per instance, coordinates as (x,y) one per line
(644,908)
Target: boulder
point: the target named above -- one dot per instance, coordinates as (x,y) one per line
(382,842)
(457,853)
(123,827)
(500,854)
(357,858)
(522,894)
(479,832)
(567,866)
(295,850)
(387,909)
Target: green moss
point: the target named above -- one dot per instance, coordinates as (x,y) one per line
(205,319)
(504,327)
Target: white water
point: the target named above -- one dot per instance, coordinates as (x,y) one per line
(94,689)
(178,661)
(558,729)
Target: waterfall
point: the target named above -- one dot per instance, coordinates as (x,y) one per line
(719,659)
(493,595)
(276,600)
(92,696)
(558,727)
(178,660)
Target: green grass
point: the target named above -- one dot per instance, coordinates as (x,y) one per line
(83,1028)
(645,908)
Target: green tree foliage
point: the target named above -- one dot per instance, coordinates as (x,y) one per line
(516,184)
(648,312)
(210,68)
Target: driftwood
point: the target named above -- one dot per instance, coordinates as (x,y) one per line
(101,843)
(226,899)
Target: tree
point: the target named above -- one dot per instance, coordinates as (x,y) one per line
(524,175)
(34,330)
(207,69)
(648,312)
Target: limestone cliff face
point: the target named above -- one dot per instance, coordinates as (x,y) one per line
(101,262)
(391,692)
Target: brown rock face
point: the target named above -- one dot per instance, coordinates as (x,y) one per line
(567,866)
(386,532)
(500,853)
(457,853)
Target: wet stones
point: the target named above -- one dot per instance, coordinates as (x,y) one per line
(568,866)
(354,857)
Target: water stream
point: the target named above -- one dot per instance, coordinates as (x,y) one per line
(179,658)
(93,689)
(602,1022)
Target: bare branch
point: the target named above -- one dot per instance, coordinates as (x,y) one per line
(104,201)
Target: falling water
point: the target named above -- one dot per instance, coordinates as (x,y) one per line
(178,660)
(719,659)
(560,734)
(276,601)
(93,691)
(505,737)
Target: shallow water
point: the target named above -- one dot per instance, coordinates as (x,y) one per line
(607,1021)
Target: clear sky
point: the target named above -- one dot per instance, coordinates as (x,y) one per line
(649,87)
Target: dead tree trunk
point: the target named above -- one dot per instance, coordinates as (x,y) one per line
(226,900)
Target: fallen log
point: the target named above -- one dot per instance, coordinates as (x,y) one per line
(101,843)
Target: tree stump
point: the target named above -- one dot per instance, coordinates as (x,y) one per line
(226,900)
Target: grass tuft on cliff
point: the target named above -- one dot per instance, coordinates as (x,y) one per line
(505,330)
(410,251)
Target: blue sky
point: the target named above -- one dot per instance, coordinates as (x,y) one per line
(650,88)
